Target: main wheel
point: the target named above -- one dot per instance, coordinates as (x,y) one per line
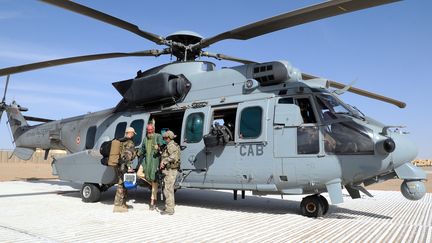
(311,206)
(90,192)
(325,204)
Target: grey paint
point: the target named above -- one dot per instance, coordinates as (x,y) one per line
(269,163)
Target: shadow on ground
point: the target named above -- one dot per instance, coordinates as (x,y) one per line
(210,199)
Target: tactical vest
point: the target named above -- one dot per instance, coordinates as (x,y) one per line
(176,163)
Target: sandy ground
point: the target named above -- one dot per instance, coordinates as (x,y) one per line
(25,171)
(52,211)
(33,171)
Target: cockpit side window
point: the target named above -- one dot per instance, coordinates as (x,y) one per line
(306,110)
(324,111)
(348,137)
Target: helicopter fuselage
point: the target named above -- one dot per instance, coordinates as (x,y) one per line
(288,136)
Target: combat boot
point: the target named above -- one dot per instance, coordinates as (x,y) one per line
(120,209)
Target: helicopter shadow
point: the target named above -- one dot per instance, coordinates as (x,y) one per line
(223,200)
(75,187)
(345,213)
(55,182)
(210,199)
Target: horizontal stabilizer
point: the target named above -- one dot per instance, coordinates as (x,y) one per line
(37,119)
(23,153)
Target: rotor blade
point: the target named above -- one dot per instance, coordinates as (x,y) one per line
(6,86)
(92,13)
(294,18)
(361,92)
(225,57)
(69,60)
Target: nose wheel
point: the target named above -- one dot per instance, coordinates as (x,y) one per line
(314,206)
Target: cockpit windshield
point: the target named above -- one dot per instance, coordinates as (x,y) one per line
(330,107)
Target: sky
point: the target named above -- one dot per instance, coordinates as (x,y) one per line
(387,49)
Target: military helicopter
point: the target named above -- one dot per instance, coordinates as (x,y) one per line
(285,132)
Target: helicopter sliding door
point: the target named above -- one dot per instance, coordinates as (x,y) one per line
(195,125)
(254,158)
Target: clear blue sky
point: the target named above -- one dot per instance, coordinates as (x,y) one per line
(387,49)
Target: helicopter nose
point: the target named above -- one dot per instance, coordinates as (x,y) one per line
(405,150)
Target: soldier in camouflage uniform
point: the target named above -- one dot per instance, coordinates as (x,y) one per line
(170,164)
(127,154)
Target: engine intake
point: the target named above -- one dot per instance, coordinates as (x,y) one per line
(160,88)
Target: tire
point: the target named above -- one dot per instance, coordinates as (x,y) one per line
(312,206)
(324,203)
(90,193)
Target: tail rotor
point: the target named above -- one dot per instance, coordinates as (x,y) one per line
(3,102)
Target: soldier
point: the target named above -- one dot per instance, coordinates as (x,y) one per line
(170,165)
(127,154)
(150,164)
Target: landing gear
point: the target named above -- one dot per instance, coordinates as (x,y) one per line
(90,192)
(314,206)
(325,204)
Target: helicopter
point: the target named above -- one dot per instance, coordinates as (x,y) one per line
(290,133)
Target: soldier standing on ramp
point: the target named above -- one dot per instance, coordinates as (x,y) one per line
(127,154)
(170,165)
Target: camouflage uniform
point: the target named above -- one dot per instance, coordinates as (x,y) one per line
(171,161)
(127,154)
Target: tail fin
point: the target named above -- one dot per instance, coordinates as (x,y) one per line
(18,125)
(17,122)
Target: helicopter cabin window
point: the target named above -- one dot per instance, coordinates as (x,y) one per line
(138,125)
(251,122)
(194,128)
(90,137)
(223,124)
(120,130)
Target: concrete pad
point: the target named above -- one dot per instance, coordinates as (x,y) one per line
(52,211)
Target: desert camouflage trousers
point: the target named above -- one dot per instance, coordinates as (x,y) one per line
(121,193)
(169,181)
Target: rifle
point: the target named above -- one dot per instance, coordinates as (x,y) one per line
(160,179)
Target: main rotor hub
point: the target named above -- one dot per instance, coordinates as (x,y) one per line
(181,41)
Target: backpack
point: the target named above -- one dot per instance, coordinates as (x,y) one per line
(110,151)
(219,135)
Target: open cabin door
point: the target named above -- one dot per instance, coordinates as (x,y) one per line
(195,125)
